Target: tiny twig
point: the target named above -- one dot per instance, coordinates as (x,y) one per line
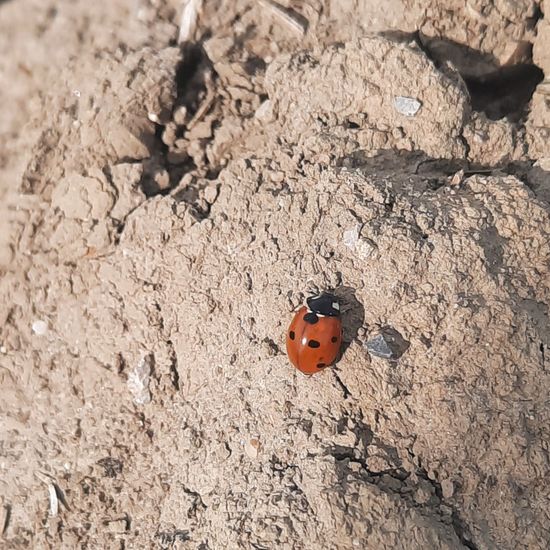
(6,522)
(188,23)
(55,493)
(295,22)
(206,104)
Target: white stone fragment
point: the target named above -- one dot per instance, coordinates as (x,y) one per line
(362,247)
(138,380)
(40,327)
(351,236)
(252,447)
(407,106)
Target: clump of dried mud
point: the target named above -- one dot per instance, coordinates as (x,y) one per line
(167,208)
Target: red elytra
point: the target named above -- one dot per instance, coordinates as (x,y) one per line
(314,336)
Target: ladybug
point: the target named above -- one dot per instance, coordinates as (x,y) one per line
(314,336)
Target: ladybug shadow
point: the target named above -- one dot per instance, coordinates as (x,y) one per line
(353,316)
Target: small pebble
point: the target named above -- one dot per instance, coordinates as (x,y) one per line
(153,117)
(388,344)
(40,327)
(162,179)
(379,347)
(180,115)
(447,488)
(264,112)
(423,494)
(117,525)
(210,194)
(138,379)
(169,134)
(378,464)
(351,236)
(252,447)
(407,106)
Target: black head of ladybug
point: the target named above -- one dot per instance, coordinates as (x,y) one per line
(324,304)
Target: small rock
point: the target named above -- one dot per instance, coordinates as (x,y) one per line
(351,236)
(201,130)
(388,344)
(377,464)
(162,179)
(40,327)
(457,178)
(264,113)
(277,176)
(138,380)
(391,483)
(210,194)
(361,246)
(423,494)
(252,447)
(447,488)
(379,347)
(169,134)
(180,115)
(153,117)
(117,525)
(407,106)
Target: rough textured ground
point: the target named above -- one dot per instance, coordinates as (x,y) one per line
(165,209)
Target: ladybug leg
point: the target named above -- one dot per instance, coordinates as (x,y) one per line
(312,288)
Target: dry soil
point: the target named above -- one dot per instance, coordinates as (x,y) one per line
(164,209)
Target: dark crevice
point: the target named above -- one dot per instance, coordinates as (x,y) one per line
(350,125)
(498,91)
(505,92)
(537,16)
(459,526)
(164,169)
(167,539)
(344,388)
(198,503)
(435,172)
(460,530)
(7,517)
(153,165)
(112,467)
(174,374)
(213,173)
(190,78)
(272,346)
(395,479)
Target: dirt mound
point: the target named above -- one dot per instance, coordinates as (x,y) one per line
(179,204)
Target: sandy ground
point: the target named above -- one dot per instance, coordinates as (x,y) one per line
(165,209)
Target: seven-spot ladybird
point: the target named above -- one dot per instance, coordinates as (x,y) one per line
(315,334)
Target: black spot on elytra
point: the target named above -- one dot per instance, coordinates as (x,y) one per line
(311,318)
(334,339)
(292,335)
(321,365)
(313,344)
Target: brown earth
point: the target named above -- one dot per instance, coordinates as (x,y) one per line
(165,209)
